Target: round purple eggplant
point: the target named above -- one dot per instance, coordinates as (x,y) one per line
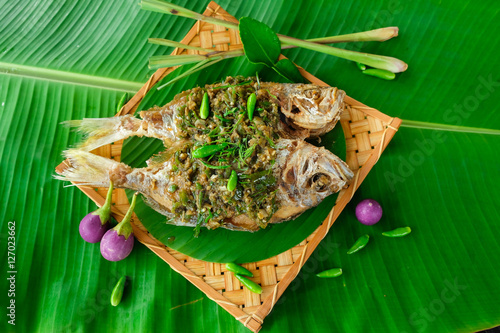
(368,212)
(94,225)
(117,243)
(92,229)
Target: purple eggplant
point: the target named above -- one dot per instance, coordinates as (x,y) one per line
(117,243)
(368,212)
(94,225)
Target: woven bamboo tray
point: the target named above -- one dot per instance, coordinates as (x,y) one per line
(367,132)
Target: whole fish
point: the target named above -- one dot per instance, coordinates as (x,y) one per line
(279,175)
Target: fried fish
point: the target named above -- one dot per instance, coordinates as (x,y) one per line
(279,175)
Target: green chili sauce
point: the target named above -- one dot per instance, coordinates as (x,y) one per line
(249,148)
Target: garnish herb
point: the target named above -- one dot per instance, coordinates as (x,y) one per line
(219,167)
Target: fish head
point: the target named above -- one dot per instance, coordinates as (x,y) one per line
(310,173)
(312,107)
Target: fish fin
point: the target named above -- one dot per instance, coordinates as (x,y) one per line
(158,207)
(103,131)
(89,169)
(165,155)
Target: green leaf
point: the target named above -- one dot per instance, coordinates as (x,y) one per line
(446,192)
(261,44)
(287,69)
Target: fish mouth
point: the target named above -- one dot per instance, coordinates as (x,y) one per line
(308,174)
(315,108)
(310,112)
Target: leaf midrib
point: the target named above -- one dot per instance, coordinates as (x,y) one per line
(132,87)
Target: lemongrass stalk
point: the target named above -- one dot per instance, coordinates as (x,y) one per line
(177,60)
(171,43)
(371,35)
(381,34)
(184,59)
(165,7)
(198,67)
(169,8)
(377,61)
(382,62)
(376,35)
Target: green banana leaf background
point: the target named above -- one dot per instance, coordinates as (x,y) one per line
(440,175)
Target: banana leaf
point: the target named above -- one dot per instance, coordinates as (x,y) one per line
(440,174)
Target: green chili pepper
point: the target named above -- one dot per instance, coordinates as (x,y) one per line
(252,286)
(359,244)
(205,151)
(116,295)
(172,188)
(184,197)
(237,269)
(380,73)
(361,66)
(252,99)
(334,272)
(205,107)
(121,103)
(399,232)
(233,180)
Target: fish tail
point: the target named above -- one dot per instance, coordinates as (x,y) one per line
(103,131)
(88,169)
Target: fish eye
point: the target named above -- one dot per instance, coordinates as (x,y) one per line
(295,109)
(319,182)
(312,94)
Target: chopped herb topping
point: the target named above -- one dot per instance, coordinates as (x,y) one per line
(226,141)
